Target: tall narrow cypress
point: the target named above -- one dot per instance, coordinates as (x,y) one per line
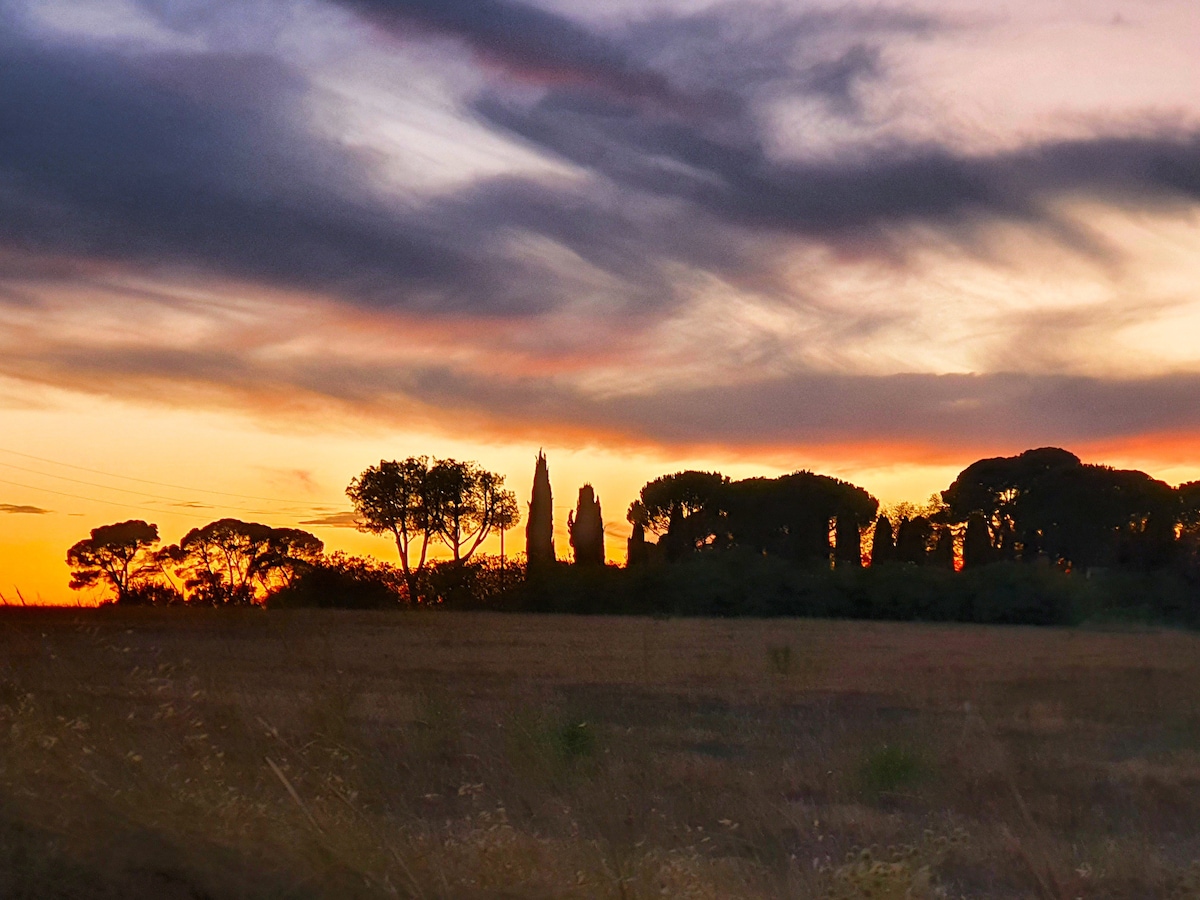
(539,527)
(587,529)
(977,545)
(912,539)
(847,542)
(638,551)
(942,556)
(883,545)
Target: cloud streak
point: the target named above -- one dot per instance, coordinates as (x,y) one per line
(523,40)
(17,509)
(798,409)
(346,519)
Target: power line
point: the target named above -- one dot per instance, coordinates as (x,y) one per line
(178,487)
(31,487)
(106,487)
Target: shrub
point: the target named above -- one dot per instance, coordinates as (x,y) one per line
(348,582)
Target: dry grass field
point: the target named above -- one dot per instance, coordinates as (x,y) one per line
(165,753)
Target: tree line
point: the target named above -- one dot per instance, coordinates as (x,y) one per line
(1042,511)
(1043,506)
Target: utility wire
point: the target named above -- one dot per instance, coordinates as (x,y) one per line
(178,487)
(156,511)
(106,487)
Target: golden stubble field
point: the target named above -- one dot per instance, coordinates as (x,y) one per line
(165,753)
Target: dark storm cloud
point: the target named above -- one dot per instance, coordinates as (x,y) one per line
(924,408)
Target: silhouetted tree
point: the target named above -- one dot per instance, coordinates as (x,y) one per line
(942,554)
(977,542)
(290,552)
(539,527)
(912,540)
(506,516)
(1189,504)
(883,543)
(117,555)
(393,498)
(847,542)
(1188,556)
(231,562)
(464,502)
(790,516)
(1046,501)
(686,509)
(586,527)
(638,551)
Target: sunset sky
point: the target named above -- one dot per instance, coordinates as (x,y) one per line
(249,248)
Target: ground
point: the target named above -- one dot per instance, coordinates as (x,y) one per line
(178,753)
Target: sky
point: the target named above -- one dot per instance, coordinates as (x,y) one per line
(249,248)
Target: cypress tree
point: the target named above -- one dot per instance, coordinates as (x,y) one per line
(847,543)
(675,542)
(539,527)
(977,543)
(883,545)
(912,538)
(638,551)
(587,529)
(942,556)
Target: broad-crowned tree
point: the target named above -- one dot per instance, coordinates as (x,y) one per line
(466,503)
(686,508)
(231,562)
(393,498)
(790,516)
(1047,501)
(116,555)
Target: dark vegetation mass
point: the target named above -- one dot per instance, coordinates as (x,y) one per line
(1038,538)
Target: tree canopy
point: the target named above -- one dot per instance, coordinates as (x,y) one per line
(231,562)
(421,500)
(116,555)
(1047,502)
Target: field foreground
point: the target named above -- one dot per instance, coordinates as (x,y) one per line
(163,753)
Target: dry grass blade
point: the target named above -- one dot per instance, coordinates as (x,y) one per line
(294,795)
